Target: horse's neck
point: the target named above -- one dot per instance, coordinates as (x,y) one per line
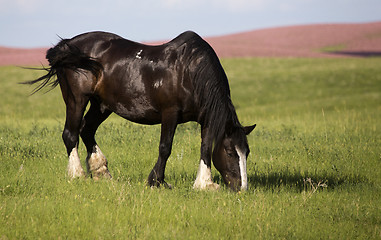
(223,122)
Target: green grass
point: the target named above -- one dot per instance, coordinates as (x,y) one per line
(314,169)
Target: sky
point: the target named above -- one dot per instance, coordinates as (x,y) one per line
(41,23)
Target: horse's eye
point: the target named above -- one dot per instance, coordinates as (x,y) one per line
(230,152)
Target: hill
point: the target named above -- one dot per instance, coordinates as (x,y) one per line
(22,57)
(320,40)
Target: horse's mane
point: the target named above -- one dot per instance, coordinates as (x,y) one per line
(211,89)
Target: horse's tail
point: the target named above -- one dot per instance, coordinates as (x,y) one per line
(65,56)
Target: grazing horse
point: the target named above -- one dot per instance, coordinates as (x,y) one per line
(173,83)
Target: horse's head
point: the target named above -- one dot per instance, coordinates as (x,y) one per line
(229,157)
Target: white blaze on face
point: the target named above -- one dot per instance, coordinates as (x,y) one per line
(242,168)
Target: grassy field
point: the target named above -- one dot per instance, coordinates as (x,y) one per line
(314,169)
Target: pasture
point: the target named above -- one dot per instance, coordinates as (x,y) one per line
(314,169)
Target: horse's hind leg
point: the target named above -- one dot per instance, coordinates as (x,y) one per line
(74,113)
(96,162)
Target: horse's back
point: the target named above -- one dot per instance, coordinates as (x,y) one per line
(91,38)
(141,81)
(186,45)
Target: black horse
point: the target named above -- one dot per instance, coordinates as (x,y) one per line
(173,83)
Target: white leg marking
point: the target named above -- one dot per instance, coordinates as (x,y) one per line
(96,160)
(74,168)
(242,167)
(204,178)
(97,164)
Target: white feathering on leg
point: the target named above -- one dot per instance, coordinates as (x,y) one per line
(204,178)
(74,168)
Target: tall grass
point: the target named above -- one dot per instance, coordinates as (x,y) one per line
(314,168)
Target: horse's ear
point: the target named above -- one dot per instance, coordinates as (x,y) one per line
(249,129)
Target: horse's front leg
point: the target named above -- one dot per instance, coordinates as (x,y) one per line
(204,174)
(168,128)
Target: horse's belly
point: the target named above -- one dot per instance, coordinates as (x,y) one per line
(139,112)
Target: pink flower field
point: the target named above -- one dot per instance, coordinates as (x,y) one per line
(311,41)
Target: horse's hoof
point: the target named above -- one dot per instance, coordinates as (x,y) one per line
(208,186)
(213,186)
(167,185)
(101,173)
(157,184)
(76,174)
